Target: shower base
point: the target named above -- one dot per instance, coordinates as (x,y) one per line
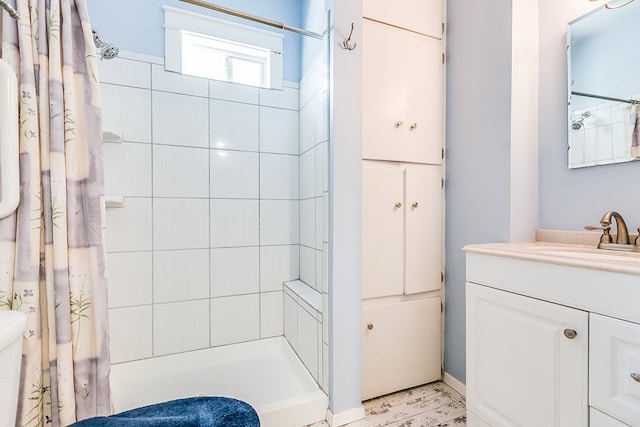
(266,374)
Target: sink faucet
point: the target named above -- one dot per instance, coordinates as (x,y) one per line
(623,234)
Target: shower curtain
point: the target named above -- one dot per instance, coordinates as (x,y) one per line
(52,261)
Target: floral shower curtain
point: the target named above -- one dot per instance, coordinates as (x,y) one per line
(52,262)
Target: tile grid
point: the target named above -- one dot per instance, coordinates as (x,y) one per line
(154,244)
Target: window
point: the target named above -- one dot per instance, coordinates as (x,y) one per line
(202,46)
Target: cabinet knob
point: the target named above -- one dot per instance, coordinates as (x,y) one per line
(414,205)
(636,377)
(370,326)
(398,205)
(570,333)
(399,123)
(413,126)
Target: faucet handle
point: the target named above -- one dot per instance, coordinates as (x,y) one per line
(606,237)
(637,242)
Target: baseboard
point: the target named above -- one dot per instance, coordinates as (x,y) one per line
(346,417)
(454,384)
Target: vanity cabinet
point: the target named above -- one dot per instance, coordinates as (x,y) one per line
(614,370)
(422,16)
(527,360)
(400,345)
(401,229)
(553,336)
(403,102)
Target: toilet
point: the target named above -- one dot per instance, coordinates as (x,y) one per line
(12,326)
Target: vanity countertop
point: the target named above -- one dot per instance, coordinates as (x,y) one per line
(574,249)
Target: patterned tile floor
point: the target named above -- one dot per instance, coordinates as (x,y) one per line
(431,405)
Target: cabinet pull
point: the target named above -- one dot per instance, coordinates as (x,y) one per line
(414,205)
(636,377)
(413,126)
(398,205)
(399,123)
(570,333)
(370,326)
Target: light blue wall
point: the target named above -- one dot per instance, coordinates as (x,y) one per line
(477,146)
(571,199)
(138,25)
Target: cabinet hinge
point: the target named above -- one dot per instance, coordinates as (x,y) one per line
(443,28)
(443,154)
(442,183)
(441,308)
(443,57)
(442,277)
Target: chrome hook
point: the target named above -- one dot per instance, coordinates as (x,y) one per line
(347,43)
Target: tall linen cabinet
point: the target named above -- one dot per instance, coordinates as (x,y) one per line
(402,194)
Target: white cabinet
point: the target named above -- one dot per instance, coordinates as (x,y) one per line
(422,16)
(525,366)
(614,370)
(400,345)
(403,100)
(527,360)
(401,229)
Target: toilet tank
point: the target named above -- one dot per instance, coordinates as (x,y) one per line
(12,326)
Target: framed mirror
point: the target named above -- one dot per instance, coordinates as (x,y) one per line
(604,85)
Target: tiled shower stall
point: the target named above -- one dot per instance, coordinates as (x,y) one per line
(224,192)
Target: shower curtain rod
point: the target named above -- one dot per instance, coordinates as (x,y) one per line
(608,98)
(252,18)
(12,12)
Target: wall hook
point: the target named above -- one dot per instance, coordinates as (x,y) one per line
(347,43)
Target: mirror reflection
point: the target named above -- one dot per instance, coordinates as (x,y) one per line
(604,86)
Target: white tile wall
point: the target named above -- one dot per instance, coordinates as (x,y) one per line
(129,278)
(128,111)
(180,171)
(180,223)
(180,120)
(130,333)
(279,222)
(234,92)
(271,314)
(235,319)
(279,177)
(125,72)
(127,169)
(234,223)
(278,264)
(235,271)
(278,130)
(168,81)
(234,125)
(129,228)
(178,327)
(234,174)
(206,239)
(180,275)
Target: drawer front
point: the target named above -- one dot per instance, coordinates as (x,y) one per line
(598,419)
(614,368)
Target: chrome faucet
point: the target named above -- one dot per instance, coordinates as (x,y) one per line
(622,237)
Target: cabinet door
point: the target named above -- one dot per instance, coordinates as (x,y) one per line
(614,368)
(598,419)
(521,368)
(423,228)
(423,16)
(382,226)
(425,100)
(402,95)
(401,345)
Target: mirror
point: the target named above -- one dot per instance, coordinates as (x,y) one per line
(604,85)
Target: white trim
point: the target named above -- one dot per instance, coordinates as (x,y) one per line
(345,417)
(178,20)
(454,383)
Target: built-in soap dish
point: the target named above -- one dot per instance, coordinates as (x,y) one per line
(111,136)
(111,202)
